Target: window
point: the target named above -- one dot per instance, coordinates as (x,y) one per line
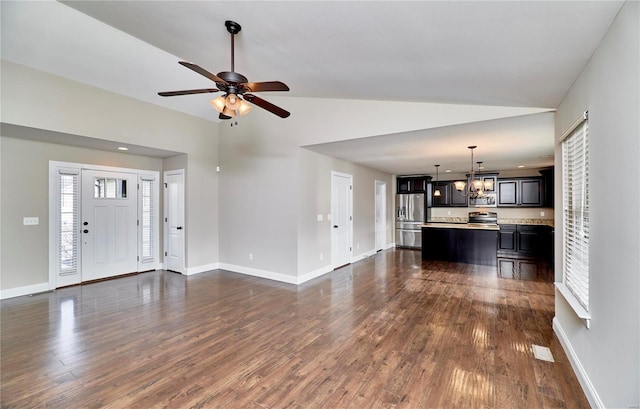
(68,188)
(147,223)
(575,203)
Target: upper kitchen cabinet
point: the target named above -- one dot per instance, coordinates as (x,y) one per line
(449,196)
(547,177)
(412,184)
(521,192)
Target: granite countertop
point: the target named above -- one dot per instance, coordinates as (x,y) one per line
(473,226)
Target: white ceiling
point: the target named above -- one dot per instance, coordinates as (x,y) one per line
(517,53)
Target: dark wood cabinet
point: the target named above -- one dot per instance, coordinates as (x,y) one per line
(525,252)
(449,196)
(412,184)
(526,192)
(548,184)
(470,246)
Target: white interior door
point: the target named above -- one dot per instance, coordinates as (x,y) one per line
(109,224)
(174,221)
(380,214)
(341,219)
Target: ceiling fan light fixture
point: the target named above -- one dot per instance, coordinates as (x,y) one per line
(218,103)
(243,107)
(229,112)
(232,101)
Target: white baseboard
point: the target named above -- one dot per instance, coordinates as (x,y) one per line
(26,290)
(362,256)
(284,278)
(201,269)
(588,388)
(314,274)
(389,246)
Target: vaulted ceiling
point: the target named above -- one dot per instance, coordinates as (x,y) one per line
(517,53)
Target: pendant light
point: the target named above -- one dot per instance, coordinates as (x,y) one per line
(477,187)
(436,192)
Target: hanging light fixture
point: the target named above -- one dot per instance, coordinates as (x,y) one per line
(477,187)
(230,105)
(436,192)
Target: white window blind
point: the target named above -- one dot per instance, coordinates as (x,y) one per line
(575,201)
(148,211)
(68,221)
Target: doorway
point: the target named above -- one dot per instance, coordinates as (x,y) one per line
(380,215)
(174,220)
(103,222)
(341,219)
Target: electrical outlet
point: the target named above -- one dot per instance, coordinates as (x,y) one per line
(320,217)
(250,256)
(542,214)
(30,221)
(321,256)
(448,212)
(358,246)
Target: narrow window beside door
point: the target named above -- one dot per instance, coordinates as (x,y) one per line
(147,220)
(68,185)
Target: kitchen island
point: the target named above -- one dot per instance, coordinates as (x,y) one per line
(468,243)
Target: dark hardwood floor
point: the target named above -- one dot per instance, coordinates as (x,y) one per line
(390,331)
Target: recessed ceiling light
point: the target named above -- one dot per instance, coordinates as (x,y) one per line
(122,148)
(521,166)
(448,170)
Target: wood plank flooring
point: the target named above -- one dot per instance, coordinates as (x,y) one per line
(390,331)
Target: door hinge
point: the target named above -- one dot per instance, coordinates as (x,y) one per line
(165,253)
(351,218)
(138,186)
(138,222)
(165,185)
(138,258)
(350,249)
(165,219)
(350,187)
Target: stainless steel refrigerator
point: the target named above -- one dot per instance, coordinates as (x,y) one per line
(410,215)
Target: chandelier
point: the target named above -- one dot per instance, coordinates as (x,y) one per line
(477,187)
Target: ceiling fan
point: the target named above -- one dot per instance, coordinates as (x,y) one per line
(235,86)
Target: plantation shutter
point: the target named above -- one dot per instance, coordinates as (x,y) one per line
(68,221)
(147,222)
(575,201)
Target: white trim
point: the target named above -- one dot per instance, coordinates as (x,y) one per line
(314,274)
(200,269)
(165,242)
(26,290)
(390,246)
(574,303)
(362,256)
(270,275)
(587,387)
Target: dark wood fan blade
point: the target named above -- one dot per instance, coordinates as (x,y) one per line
(266,105)
(223,116)
(203,72)
(187,92)
(267,86)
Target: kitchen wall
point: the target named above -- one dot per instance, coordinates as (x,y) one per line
(606,357)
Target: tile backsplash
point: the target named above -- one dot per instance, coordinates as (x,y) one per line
(535,215)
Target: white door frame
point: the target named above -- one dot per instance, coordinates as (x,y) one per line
(335,260)
(181,268)
(54,167)
(380,240)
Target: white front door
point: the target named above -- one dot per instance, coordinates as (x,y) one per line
(108,224)
(341,219)
(174,221)
(380,214)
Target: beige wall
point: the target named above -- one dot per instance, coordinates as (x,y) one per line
(25,188)
(607,356)
(33,99)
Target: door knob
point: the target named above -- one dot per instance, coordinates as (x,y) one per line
(179,228)
(86,223)
(335,226)
(85,231)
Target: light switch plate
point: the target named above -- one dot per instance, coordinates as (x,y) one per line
(320,217)
(30,221)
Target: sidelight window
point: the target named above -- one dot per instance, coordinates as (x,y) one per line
(68,226)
